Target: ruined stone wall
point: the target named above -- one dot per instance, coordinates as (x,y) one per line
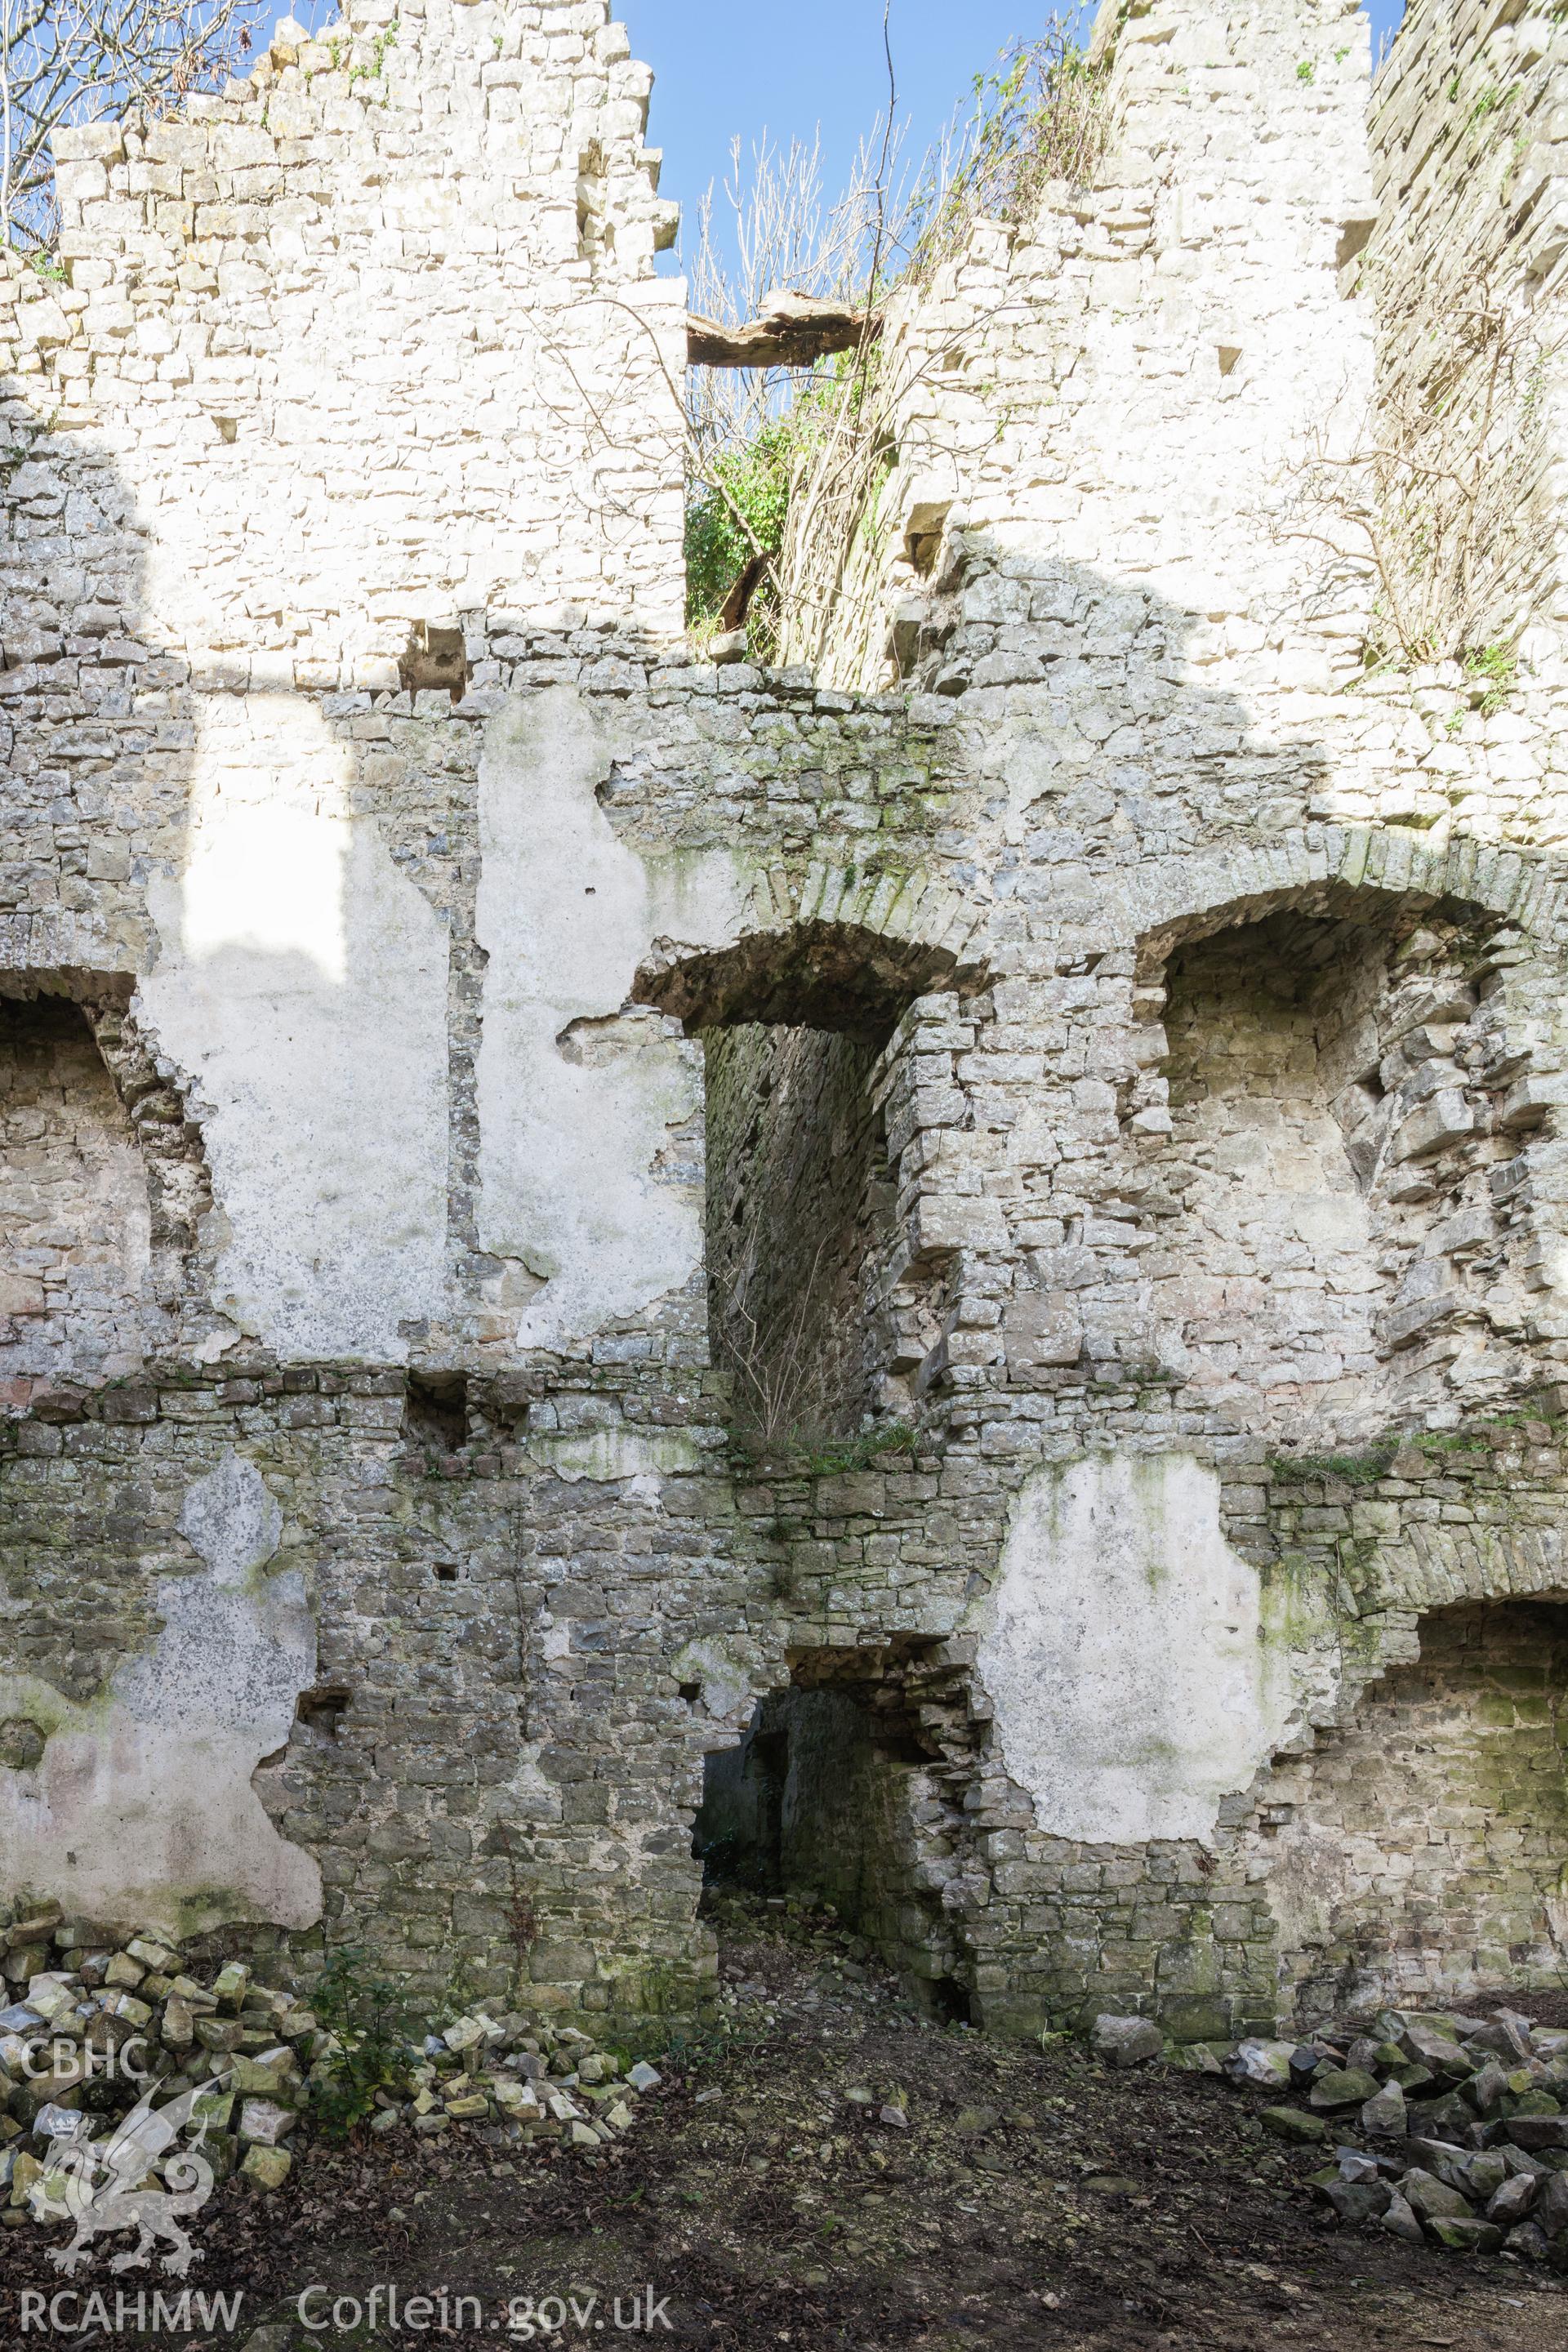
(310,333)
(1098,406)
(1451,1544)
(401,203)
(1201,1650)
(310,1672)
(363,792)
(1466,267)
(1109,418)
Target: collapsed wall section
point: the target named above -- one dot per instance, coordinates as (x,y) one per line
(75,1218)
(1419,1854)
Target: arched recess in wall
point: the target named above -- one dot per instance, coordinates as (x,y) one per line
(816,1309)
(1337,1246)
(1419,1853)
(102,1181)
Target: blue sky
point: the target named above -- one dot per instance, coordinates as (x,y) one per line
(729,66)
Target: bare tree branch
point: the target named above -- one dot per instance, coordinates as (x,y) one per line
(66,62)
(1437,503)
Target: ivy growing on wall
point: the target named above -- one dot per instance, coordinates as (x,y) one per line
(736,510)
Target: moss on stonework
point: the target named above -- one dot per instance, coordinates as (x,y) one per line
(864,1451)
(1373,1463)
(1350,1469)
(1471,1438)
(1297,1609)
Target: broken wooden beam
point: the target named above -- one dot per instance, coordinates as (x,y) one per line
(790,330)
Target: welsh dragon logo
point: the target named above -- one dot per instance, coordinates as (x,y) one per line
(107,2184)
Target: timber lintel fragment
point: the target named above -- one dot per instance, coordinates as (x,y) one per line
(791,330)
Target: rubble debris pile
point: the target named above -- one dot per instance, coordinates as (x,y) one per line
(1439,2128)
(102,2028)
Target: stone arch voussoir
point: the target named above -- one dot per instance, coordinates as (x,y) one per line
(844,948)
(1335,870)
(1444,1565)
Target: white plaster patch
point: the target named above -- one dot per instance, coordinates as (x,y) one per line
(607,1455)
(230,1517)
(142,1806)
(1122,1650)
(302,983)
(576,1102)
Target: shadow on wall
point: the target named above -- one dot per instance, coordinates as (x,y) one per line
(287,883)
(311,955)
(254,994)
(289,983)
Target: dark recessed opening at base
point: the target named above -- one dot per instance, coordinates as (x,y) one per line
(830,1798)
(947,2001)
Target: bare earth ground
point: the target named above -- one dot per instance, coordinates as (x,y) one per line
(1033,2199)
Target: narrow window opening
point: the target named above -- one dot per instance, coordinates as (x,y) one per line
(435,1411)
(320,1712)
(433,658)
(922,532)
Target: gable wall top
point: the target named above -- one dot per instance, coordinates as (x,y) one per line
(373,340)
